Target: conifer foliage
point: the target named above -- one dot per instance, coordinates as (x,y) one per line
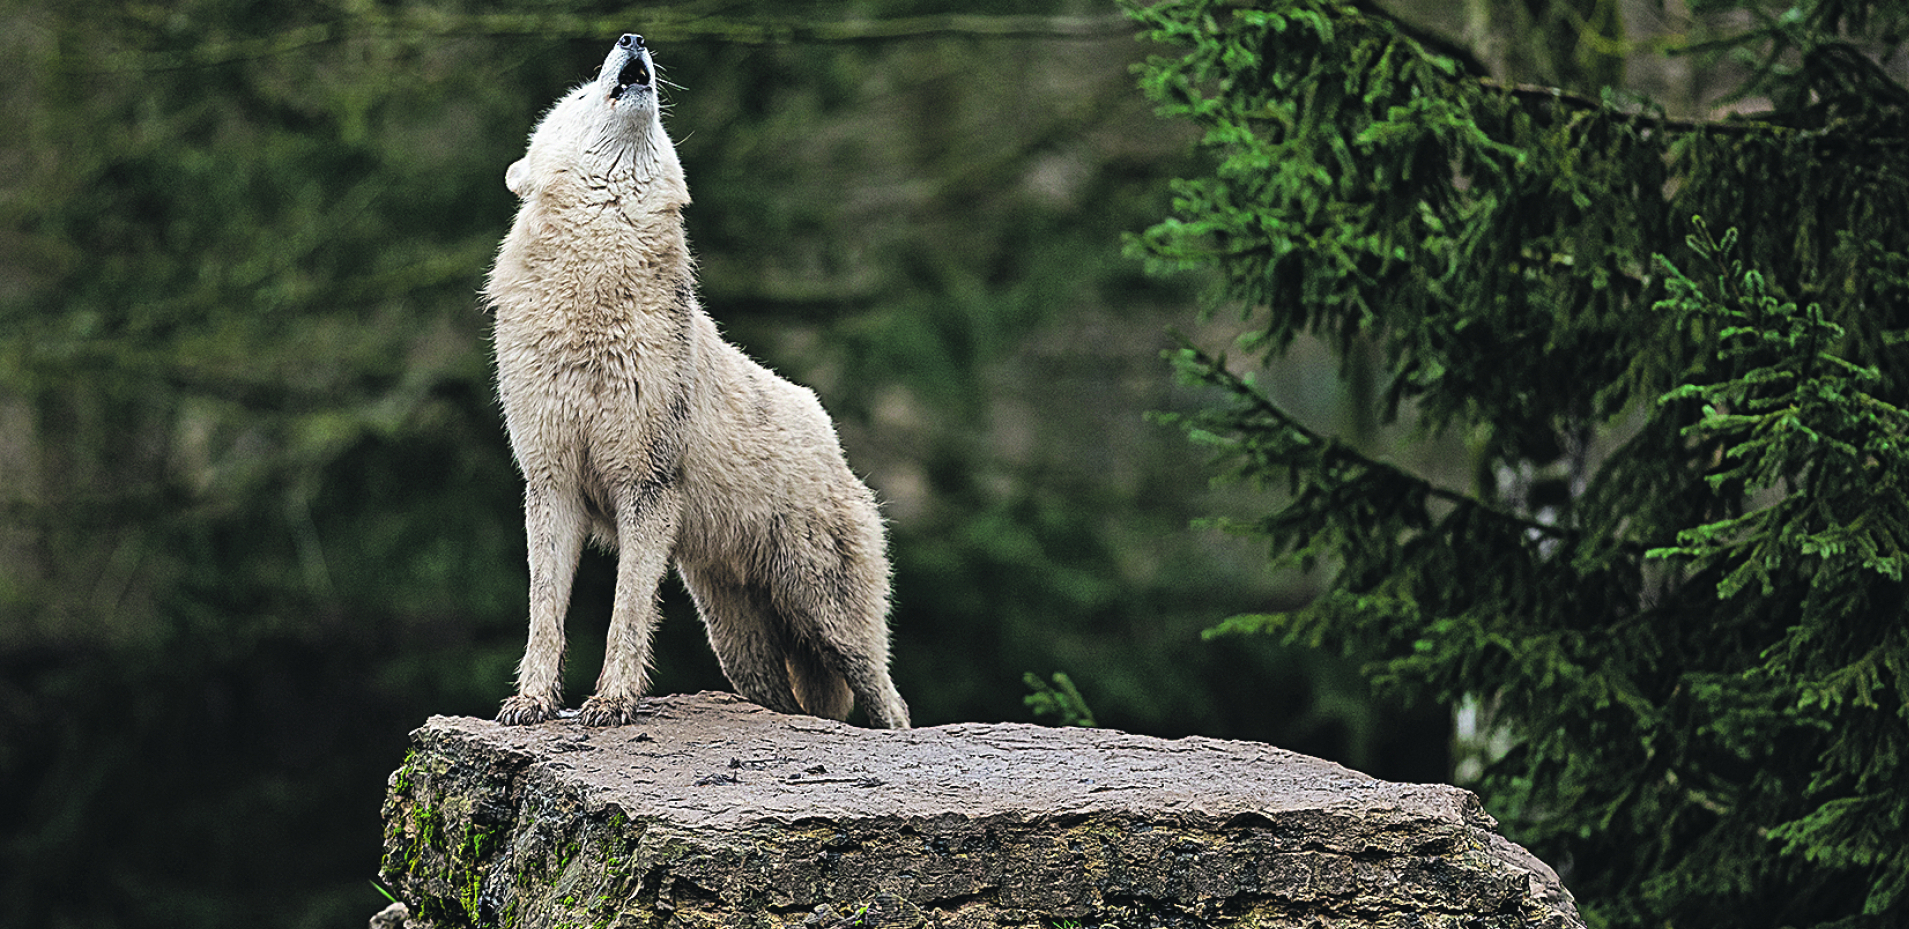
(1680,353)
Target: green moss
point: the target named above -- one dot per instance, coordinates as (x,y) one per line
(468,868)
(401,784)
(430,829)
(406,847)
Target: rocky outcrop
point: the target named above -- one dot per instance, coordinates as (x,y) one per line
(714,812)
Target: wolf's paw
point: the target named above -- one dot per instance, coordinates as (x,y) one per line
(605,710)
(526,710)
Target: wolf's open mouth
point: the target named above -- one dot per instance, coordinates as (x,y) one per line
(635,73)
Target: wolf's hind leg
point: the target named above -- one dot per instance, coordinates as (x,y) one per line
(747,636)
(831,675)
(867,675)
(836,601)
(818,686)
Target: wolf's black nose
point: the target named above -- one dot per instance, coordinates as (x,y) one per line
(630,40)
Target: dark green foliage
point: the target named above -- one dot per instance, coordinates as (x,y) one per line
(1060,700)
(257,513)
(1679,571)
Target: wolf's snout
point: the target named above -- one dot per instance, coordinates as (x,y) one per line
(631,59)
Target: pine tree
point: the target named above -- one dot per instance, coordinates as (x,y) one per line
(1679,351)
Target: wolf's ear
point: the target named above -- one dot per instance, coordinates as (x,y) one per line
(517,177)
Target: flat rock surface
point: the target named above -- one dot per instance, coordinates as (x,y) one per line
(713,811)
(715,760)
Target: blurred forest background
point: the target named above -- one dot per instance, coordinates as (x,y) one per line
(257,514)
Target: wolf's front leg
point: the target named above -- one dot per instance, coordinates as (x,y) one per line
(647,519)
(554,524)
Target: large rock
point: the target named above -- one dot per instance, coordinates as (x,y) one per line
(715,812)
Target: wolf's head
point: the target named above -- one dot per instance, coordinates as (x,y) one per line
(627,72)
(607,131)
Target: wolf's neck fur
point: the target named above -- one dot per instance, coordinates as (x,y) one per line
(626,156)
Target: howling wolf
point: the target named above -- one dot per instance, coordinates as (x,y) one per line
(634,423)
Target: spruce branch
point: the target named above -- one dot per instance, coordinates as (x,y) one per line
(1213,370)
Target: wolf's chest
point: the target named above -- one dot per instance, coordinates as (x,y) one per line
(556,376)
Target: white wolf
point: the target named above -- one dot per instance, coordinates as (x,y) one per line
(635,423)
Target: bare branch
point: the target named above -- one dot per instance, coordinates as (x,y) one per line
(416,23)
(1538,92)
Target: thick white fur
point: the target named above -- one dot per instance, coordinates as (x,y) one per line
(635,423)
